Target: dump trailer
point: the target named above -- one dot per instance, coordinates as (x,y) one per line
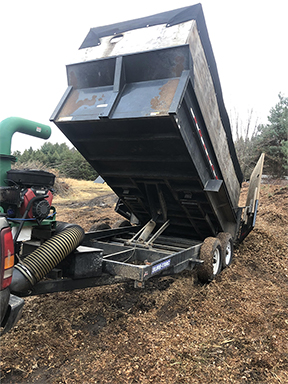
(144,106)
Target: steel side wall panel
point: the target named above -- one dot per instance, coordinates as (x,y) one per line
(206,97)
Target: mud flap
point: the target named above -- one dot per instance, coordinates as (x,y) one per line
(252,201)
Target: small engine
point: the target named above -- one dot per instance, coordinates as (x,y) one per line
(34,193)
(40,208)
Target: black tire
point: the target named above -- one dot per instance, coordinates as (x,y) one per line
(99,227)
(227,248)
(122,223)
(211,254)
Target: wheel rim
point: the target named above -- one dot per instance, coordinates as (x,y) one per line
(216,261)
(228,253)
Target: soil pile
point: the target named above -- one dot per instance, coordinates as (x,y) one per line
(233,330)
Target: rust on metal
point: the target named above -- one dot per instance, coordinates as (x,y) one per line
(73,103)
(162,103)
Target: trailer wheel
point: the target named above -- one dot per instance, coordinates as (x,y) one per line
(227,248)
(99,227)
(211,254)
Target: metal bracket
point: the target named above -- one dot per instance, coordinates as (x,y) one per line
(119,81)
(144,233)
(213,185)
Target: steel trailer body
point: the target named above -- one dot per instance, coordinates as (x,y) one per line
(150,122)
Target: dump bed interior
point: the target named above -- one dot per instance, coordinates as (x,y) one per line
(153,126)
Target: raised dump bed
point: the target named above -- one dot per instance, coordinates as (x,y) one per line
(146,111)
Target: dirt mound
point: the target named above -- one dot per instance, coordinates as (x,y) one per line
(233,330)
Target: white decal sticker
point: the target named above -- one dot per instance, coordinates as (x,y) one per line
(159,267)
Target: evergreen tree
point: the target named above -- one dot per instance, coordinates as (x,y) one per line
(75,166)
(272,139)
(68,161)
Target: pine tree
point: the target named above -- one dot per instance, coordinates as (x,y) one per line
(272,139)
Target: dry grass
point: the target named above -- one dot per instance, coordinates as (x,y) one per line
(80,191)
(86,203)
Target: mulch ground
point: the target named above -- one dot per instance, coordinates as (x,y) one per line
(233,330)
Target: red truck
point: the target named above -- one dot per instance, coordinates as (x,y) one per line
(10,305)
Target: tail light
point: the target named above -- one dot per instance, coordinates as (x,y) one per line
(7,258)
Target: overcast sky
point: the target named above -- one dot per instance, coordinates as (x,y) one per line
(249,40)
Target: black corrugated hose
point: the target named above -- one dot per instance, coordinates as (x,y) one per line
(35,266)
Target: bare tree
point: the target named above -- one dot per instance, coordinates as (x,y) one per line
(244,133)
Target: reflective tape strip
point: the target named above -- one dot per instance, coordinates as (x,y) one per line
(204,145)
(8,273)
